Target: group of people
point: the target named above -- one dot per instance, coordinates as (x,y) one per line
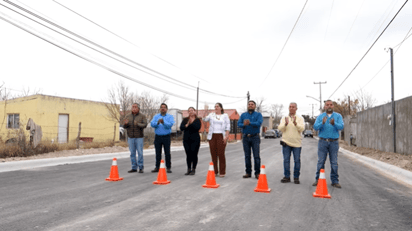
(328,124)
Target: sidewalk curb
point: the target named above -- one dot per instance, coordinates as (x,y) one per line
(30,164)
(400,174)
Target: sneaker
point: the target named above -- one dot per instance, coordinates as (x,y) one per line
(337,185)
(247,175)
(285,180)
(155,170)
(132,170)
(257,176)
(169,170)
(316,183)
(141,170)
(296,180)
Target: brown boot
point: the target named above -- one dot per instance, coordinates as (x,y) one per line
(285,180)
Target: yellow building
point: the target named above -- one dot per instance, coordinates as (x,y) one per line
(59,118)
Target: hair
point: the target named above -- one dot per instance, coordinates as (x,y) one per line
(191,108)
(252,102)
(138,105)
(221,106)
(164,104)
(294,104)
(328,100)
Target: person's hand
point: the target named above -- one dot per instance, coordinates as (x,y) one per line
(126,121)
(324,120)
(225,140)
(246,122)
(332,121)
(294,120)
(187,124)
(160,121)
(286,121)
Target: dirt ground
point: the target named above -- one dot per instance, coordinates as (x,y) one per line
(402,161)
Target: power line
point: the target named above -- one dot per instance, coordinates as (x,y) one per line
(105,49)
(98,64)
(123,38)
(368,49)
(284,45)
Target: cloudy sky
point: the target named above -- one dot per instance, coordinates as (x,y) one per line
(228,48)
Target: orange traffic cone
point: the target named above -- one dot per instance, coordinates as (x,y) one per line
(162,177)
(210,179)
(322,188)
(114,172)
(262,185)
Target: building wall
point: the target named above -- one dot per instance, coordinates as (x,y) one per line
(45,110)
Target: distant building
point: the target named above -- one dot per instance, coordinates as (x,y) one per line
(59,118)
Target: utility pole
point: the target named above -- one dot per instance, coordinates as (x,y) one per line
(393,103)
(197,100)
(349,104)
(248,98)
(312,109)
(320,91)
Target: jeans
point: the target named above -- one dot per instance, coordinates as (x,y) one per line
(252,143)
(136,144)
(325,147)
(287,150)
(158,143)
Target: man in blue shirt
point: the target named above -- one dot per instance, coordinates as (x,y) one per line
(328,124)
(162,123)
(250,123)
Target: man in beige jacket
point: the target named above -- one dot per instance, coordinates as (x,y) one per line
(292,127)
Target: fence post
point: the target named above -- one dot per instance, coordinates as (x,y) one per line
(78,135)
(114,136)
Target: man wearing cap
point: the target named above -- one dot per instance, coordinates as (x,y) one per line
(292,127)
(162,123)
(250,123)
(135,123)
(328,124)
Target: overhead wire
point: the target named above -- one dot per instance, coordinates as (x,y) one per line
(369,49)
(78,14)
(284,45)
(108,50)
(327,25)
(353,23)
(98,64)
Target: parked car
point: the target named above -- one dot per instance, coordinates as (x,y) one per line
(308,133)
(278,133)
(270,134)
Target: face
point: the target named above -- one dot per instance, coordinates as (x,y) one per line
(218,108)
(192,112)
(251,106)
(163,109)
(135,109)
(292,109)
(329,107)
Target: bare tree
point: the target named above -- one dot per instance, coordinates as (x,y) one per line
(276,111)
(4,94)
(149,104)
(365,100)
(27,92)
(120,101)
(260,106)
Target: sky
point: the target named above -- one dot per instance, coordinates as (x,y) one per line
(227,48)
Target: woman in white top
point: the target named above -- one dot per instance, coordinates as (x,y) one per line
(218,134)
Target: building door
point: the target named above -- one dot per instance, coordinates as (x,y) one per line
(63,134)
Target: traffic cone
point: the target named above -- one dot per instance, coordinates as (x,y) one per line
(262,185)
(162,177)
(322,188)
(210,179)
(114,172)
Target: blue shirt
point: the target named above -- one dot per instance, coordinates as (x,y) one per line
(166,127)
(327,130)
(255,119)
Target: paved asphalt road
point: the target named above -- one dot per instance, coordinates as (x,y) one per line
(77,197)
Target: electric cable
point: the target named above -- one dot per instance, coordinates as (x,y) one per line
(369,49)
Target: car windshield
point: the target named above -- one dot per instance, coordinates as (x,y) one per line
(308,132)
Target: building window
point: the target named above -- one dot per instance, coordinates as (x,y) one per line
(13,121)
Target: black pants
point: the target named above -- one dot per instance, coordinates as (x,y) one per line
(158,143)
(191,149)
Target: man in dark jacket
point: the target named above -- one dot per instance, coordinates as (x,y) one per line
(135,123)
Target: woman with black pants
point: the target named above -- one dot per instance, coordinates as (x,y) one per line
(191,139)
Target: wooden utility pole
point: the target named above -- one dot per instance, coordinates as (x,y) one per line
(114,136)
(393,103)
(78,135)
